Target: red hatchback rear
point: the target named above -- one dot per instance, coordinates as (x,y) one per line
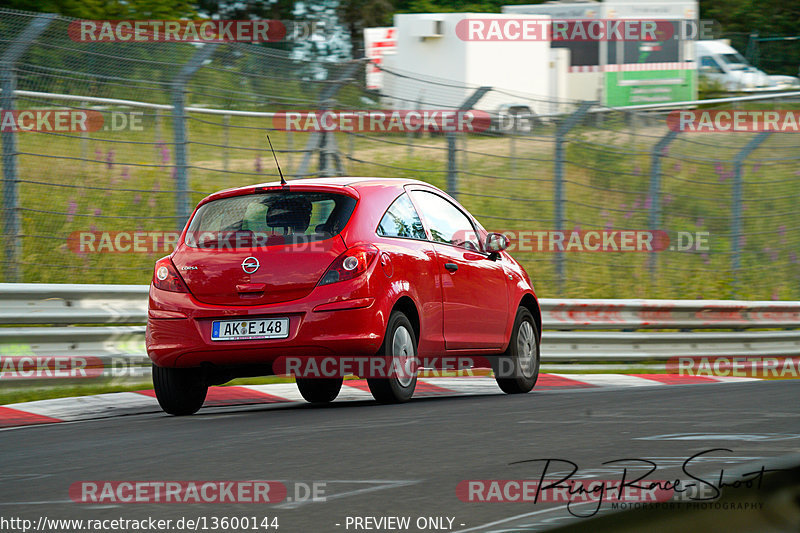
(369,274)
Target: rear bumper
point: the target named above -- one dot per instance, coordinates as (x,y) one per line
(348,323)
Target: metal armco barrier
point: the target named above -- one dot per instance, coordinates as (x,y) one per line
(668,314)
(76,320)
(574,346)
(62,304)
(61,320)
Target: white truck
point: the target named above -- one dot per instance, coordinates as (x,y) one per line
(718,62)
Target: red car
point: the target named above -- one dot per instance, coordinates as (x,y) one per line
(335,267)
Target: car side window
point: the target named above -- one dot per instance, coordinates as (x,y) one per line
(446,222)
(401,220)
(706,61)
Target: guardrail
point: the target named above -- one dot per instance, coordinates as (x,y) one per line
(41,303)
(59,320)
(668,314)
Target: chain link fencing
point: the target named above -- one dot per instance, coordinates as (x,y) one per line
(181,120)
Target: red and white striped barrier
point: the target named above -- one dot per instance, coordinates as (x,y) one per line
(632,67)
(141,402)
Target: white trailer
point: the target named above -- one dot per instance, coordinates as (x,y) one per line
(628,72)
(434,67)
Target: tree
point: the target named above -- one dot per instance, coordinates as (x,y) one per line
(773,17)
(359,14)
(456,6)
(108,9)
(247,9)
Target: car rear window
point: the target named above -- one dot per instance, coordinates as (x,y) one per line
(271,218)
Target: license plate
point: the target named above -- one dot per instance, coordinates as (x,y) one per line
(261,328)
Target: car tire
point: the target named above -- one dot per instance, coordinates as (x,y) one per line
(399,342)
(517,370)
(179,391)
(319,390)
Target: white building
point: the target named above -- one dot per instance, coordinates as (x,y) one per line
(435,66)
(627,72)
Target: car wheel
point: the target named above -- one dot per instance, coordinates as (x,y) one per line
(180,391)
(400,352)
(517,370)
(319,390)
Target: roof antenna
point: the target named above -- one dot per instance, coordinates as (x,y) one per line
(283,181)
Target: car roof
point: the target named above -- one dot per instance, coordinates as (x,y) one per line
(345,181)
(714,47)
(353,182)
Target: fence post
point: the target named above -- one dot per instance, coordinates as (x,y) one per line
(182,207)
(752,52)
(84,143)
(736,208)
(410,135)
(655,188)
(8,84)
(329,152)
(558,184)
(351,146)
(290,152)
(226,125)
(464,149)
(452,166)
(318,141)
(512,152)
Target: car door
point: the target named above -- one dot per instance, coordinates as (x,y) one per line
(711,70)
(409,259)
(474,292)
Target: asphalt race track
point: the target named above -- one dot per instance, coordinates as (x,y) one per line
(403,460)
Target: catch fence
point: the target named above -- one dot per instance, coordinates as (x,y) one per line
(181,120)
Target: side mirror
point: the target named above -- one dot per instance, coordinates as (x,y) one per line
(496,242)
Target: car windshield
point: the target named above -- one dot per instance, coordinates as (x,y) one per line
(735,61)
(272,218)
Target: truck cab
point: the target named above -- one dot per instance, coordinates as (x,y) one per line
(719,62)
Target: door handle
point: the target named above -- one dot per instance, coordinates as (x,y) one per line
(452,267)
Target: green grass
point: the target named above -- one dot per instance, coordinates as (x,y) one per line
(606,185)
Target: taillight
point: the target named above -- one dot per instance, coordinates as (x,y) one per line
(350,264)
(166,277)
